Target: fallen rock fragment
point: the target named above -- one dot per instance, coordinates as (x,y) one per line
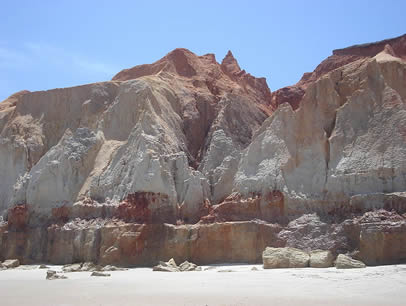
(76,267)
(321,259)
(90,267)
(112,268)
(169,266)
(189,266)
(52,275)
(81,267)
(43,267)
(11,263)
(284,258)
(346,262)
(96,273)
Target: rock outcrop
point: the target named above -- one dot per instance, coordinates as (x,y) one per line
(293,95)
(198,161)
(335,146)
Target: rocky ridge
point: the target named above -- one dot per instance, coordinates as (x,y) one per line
(196,160)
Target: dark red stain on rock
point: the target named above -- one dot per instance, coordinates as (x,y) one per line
(135,207)
(61,214)
(18,217)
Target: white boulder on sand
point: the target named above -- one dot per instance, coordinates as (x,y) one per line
(189,266)
(321,259)
(346,262)
(284,258)
(11,263)
(171,266)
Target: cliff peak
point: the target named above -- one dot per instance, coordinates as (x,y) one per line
(230,64)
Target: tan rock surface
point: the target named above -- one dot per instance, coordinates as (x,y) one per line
(346,262)
(321,259)
(274,258)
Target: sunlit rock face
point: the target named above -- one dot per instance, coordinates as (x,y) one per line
(200,161)
(346,139)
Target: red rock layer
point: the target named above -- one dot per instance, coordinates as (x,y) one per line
(203,73)
(293,94)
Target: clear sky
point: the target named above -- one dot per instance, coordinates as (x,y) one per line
(48,44)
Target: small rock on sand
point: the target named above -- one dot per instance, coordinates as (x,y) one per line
(96,273)
(52,275)
(113,268)
(171,266)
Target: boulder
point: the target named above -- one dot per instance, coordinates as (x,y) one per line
(189,266)
(11,263)
(52,275)
(112,268)
(285,258)
(76,267)
(321,259)
(346,262)
(169,266)
(82,267)
(96,273)
(90,267)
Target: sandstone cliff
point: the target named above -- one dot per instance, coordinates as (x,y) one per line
(197,160)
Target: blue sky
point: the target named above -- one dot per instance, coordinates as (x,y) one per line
(48,44)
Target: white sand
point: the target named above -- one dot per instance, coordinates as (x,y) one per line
(385,285)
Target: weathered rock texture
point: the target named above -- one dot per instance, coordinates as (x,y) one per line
(285,258)
(192,159)
(321,259)
(52,275)
(346,262)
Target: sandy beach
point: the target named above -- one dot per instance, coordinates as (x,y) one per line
(383,285)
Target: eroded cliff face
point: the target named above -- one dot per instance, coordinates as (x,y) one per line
(175,128)
(196,160)
(340,57)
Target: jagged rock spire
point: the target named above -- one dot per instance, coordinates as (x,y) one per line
(230,64)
